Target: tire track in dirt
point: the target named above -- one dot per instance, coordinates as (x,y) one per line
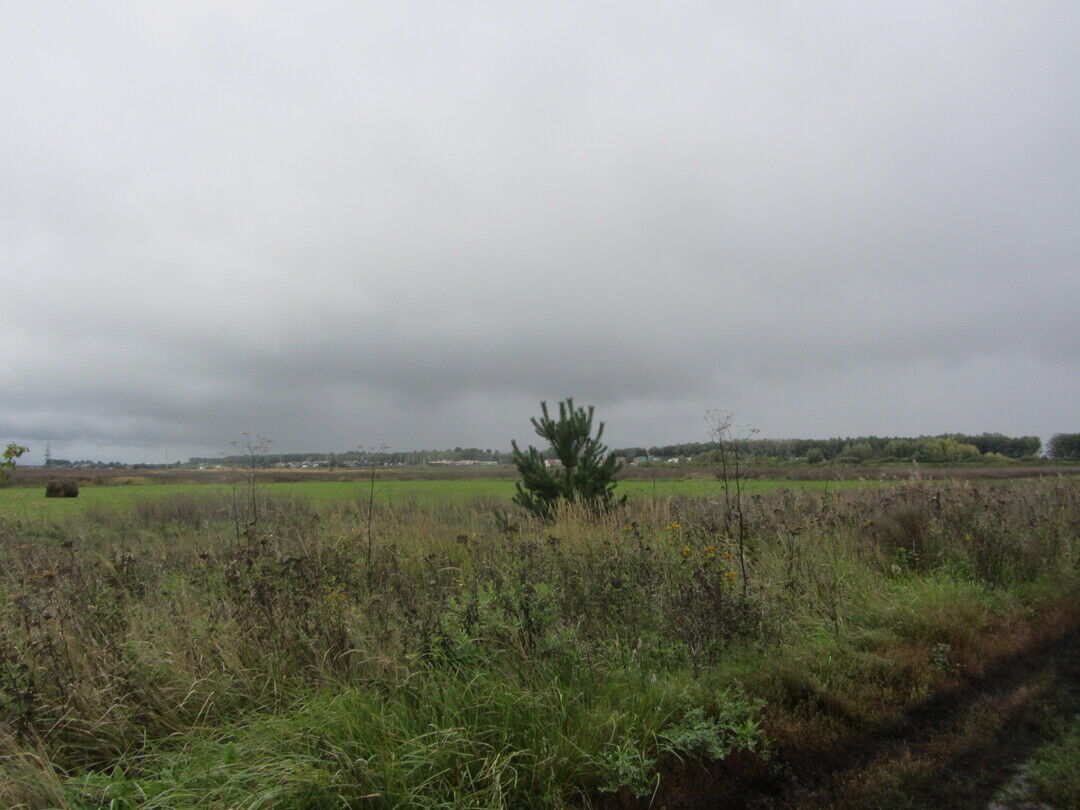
(959,749)
(955,749)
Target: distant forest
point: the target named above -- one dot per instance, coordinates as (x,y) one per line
(952,447)
(361,458)
(943,448)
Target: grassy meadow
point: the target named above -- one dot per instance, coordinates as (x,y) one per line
(20,500)
(183,646)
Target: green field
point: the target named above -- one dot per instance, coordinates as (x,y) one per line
(23,500)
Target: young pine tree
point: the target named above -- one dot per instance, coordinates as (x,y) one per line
(584,474)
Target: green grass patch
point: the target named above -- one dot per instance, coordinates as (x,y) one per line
(24,501)
(445,739)
(1055,768)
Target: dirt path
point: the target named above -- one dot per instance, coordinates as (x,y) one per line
(956,750)
(1016,794)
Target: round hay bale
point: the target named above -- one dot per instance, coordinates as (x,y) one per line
(64,488)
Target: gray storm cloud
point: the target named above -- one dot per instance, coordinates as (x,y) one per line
(406,224)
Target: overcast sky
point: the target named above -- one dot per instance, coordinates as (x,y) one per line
(343,224)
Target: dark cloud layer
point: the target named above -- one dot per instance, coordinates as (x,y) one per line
(406,224)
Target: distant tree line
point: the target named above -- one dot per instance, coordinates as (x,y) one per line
(943,448)
(949,447)
(65,464)
(363,458)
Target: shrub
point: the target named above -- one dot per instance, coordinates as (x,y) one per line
(901,448)
(11,452)
(1065,446)
(943,450)
(859,450)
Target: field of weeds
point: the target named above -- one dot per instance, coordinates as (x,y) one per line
(257,650)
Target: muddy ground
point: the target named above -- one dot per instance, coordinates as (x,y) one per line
(956,750)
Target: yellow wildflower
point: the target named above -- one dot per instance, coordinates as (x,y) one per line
(686,551)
